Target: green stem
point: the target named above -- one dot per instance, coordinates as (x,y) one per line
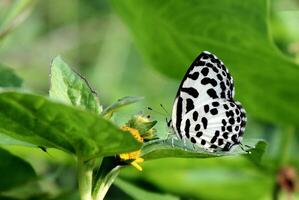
(104,185)
(285,144)
(85,169)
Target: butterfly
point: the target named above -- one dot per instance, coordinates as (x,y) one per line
(204,111)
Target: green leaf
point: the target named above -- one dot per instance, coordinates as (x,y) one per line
(172,33)
(225,178)
(165,148)
(141,194)
(8,78)
(108,112)
(14,171)
(256,154)
(71,88)
(16,15)
(35,119)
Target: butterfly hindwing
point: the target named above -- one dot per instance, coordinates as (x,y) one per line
(216,124)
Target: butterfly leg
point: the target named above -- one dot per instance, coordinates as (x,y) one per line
(194,147)
(185,145)
(172,141)
(245,148)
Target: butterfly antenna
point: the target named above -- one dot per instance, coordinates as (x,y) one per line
(164,108)
(160,113)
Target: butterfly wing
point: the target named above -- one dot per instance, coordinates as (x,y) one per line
(207,79)
(217,124)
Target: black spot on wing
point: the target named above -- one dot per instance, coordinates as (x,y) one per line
(225,135)
(215,104)
(214,111)
(197,127)
(207,80)
(235,139)
(193,140)
(209,65)
(187,127)
(205,71)
(189,105)
(179,111)
(231,120)
(206,108)
(204,122)
(220,142)
(199,134)
(219,77)
(195,115)
(194,76)
(191,91)
(227,146)
(205,56)
(212,93)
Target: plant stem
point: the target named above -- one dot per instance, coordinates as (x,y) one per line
(286,140)
(85,169)
(104,185)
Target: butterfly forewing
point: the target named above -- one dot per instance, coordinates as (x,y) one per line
(204,111)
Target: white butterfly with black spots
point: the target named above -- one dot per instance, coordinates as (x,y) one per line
(204,111)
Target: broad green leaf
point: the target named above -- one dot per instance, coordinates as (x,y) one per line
(141,194)
(8,140)
(167,148)
(35,119)
(225,178)
(172,33)
(108,112)
(14,171)
(71,88)
(16,15)
(8,78)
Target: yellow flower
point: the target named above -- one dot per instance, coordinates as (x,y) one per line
(133,157)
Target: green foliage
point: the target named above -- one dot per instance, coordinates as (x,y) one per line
(225,178)
(71,88)
(140,194)
(172,33)
(18,13)
(14,171)
(8,78)
(36,119)
(108,112)
(164,148)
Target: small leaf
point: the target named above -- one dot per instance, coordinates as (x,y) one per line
(35,119)
(141,194)
(14,171)
(8,78)
(72,88)
(256,153)
(108,112)
(164,148)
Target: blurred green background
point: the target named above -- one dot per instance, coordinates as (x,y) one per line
(122,49)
